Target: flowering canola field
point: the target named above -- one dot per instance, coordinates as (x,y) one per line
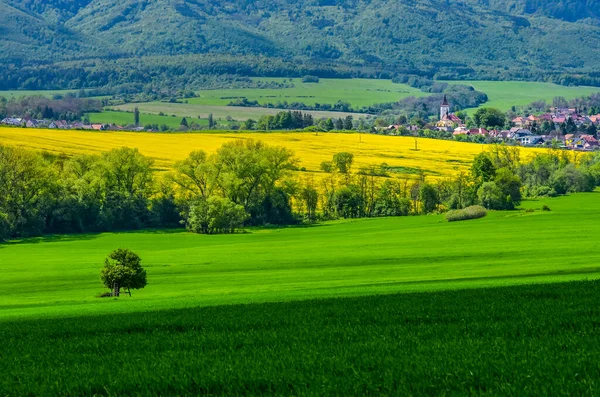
(436,158)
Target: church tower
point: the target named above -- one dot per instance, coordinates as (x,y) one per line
(444,109)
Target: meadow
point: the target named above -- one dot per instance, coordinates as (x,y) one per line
(516,341)
(126,118)
(505,94)
(435,158)
(45,93)
(60,275)
(220,111)
(357,92)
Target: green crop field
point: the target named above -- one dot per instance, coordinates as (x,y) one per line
(61,274)
(357,92)
(515,341)
(209,323)
(124,118)
(220,112)
(504,94)
(45,93)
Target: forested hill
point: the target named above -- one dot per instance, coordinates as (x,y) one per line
(446,38)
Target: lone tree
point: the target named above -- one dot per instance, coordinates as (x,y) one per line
(123,269)
(136,116)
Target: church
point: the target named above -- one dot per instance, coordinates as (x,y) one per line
(448,120)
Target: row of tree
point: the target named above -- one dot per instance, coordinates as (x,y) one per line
(247,182)
(38,107)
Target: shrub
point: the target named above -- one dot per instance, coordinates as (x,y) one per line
(472,212)
(310,79)
(529,210)
(543,191)
(546,208)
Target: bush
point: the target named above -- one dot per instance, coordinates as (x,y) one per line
(546,208)
(310,79)
(529,210)
(543,191)
(472,212)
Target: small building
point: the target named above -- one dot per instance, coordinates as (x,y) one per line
(531,140)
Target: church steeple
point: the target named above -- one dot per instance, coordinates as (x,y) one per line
(444,108)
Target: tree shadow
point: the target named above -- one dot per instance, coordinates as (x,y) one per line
(53,238)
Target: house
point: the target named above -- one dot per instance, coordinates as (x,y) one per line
(97,127)
(590,143)
(461,131)
(519,122)
(60,124)
(32,123)
(478,131)
(595,119)
(113,127)
(519,133)
(13,121)
(504,134)
(531,140)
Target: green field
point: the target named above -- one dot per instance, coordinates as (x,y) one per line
(504,94)
(514,341)
(344,258)
(220,112)
(358,92)
(22,93)
(315,310)
(125,118)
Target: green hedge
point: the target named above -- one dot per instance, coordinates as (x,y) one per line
(472,212)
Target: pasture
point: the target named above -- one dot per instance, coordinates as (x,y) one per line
(59,276)
(435,158)
(220,111)
(125,118)
(45,93)
(357,92)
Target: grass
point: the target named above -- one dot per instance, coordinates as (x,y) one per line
(357,92)
(125,118)
(505,94)
(60,276)
(526,341)
(45,93)
(436,158)
(220,112)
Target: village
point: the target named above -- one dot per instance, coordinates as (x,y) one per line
(563,128)
(560,128)
(28,122)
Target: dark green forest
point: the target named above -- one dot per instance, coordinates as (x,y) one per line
(186,43)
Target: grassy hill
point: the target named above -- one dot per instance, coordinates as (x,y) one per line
(492,40)
(344,258)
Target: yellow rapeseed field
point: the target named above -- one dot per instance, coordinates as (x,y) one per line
(436,158)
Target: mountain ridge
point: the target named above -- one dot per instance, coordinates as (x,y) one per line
(495,39)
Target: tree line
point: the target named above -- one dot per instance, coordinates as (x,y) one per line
(68,108)
(249,183)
